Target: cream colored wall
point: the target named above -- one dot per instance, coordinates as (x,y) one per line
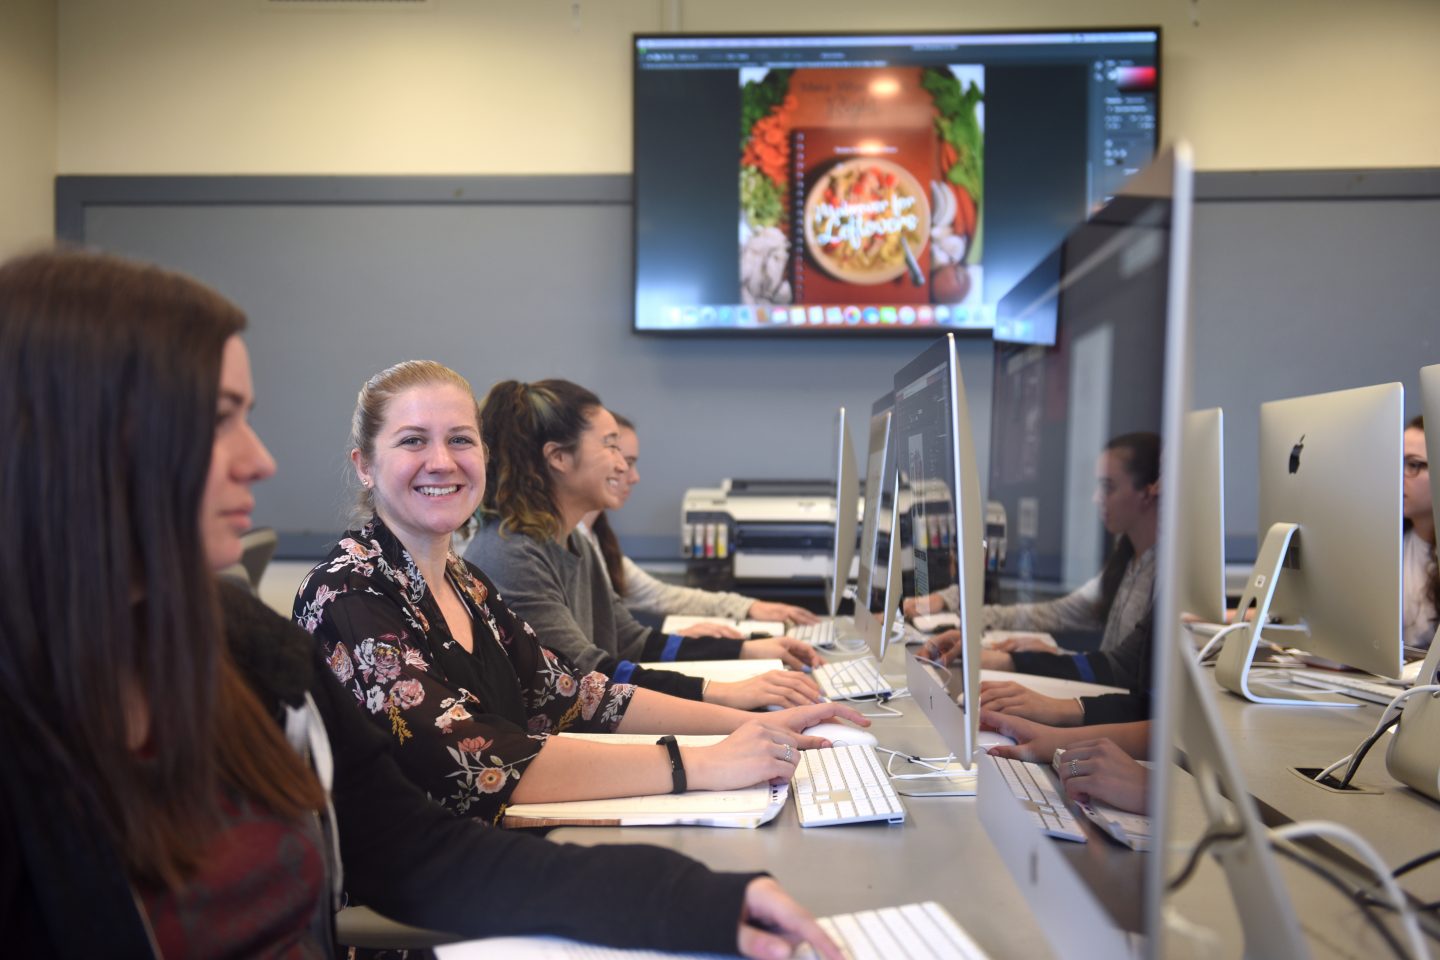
(27,124)
(505,86)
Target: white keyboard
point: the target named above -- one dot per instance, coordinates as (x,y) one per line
(1361,688)
(1030,782)
(820,634)
(916,931)
(848,679)
(844,784)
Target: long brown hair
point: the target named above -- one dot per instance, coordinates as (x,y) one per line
(517,421)
(109,379)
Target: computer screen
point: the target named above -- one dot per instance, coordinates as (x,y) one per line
(1066,418)
(823,184)
(935,457)
(1083,412)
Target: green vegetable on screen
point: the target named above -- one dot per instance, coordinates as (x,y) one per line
(760,198)
(959,126)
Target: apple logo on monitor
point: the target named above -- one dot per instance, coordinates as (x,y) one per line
(1295,454)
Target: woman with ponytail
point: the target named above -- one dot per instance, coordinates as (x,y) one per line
(554,457)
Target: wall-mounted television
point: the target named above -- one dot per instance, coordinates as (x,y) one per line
(864,184)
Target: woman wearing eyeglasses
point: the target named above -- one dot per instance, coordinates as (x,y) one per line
(1422,581)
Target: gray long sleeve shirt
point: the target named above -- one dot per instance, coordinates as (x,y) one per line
(564,593)
(645,594)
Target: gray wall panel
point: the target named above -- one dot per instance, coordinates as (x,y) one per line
(1298,297)
(1304,281)
(521,289)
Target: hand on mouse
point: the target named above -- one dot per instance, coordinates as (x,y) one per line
(799,718)
(755,753)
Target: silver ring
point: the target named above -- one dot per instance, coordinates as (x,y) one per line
(788,753)
(1074,768)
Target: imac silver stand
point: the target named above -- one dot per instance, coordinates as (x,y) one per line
(1412,758)
(1237,656)
(1267,914)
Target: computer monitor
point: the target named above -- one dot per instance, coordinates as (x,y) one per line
(1412,757)
(935,453)
(1201,583)
(879,489)
(1328,575)
(871,184)
(847,496)
(1117,364)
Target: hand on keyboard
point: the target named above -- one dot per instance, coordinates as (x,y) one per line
(797,654)
(771,923)
(780,688)
(769,610)
(1006,696)
(1100,770)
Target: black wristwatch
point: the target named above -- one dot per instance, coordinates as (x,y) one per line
(677,766)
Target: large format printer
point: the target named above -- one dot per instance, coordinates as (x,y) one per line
(760,531)
(782,532)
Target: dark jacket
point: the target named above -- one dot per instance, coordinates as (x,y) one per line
(1129,665)
(64,892)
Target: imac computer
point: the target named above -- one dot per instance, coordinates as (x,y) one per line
(847,493)
(870,586)
(1412,758)
(1327,578)
(1201,583)
(935,454)
(1109,363)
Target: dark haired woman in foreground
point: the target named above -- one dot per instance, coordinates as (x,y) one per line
(169,787)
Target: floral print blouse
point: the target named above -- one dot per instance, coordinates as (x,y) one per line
(467,723)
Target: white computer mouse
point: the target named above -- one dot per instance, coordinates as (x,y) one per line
(841,734)
(990,738)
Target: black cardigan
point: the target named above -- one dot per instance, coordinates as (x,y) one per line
(1129,665)
(63,890)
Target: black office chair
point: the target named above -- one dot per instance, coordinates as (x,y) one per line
(259,548)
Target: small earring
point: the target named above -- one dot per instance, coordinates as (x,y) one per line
(366,483)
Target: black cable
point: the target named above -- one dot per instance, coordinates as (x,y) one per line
(1416,863)
(1193,861)
(1358,897)
(1363,749)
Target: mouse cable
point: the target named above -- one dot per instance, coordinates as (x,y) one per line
(1192,862)
(1415,864)
(1366,903)
(1214,642)
(1338,834)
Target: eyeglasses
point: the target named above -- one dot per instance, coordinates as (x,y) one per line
(1415,466)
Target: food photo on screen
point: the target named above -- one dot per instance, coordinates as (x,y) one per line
(861,189)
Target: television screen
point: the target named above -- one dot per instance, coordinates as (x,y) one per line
(872,183)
